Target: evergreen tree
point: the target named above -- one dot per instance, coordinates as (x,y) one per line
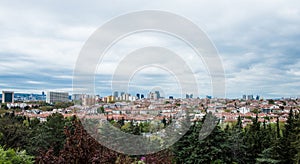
(49,134)
(236,143)
(253,141)
(278,128)
(14,132)
(286,150)
(214,148)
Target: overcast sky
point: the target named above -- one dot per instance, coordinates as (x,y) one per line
(258,43)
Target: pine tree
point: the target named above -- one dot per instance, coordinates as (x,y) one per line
(278,128)
(253,141)
(237,143)
(296,143)
(286,150)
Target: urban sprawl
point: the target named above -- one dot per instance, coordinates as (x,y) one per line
(140,108)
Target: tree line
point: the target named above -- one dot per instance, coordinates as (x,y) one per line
(64,140)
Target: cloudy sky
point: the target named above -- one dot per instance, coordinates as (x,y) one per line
(258,43)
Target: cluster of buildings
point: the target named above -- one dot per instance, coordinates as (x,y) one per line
(156,107)
(145,110)
(10,96)
(250,97)
(52,97)
(226,110)
(123,96)
(154,95)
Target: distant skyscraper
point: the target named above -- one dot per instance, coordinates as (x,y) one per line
(7,97)
(125,96)
(76,97)
(43,95)
(188,96)
(88,100)
(122,93)
(53,97)
(171,97)
(244,97)
(257,97)
(153,96)
(250,97)
(157,94)
(116,94)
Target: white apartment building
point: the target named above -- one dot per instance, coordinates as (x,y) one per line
(53,97)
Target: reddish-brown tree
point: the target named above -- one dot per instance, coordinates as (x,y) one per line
(81,148)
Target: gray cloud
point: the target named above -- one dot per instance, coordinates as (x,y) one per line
(258,42)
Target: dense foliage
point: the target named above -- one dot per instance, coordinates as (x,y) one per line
(64,140)
(257,143)
(10,156)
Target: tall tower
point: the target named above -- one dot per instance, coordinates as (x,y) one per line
(43,95)
(157,94)
(8,97)
(116,94)
(244,97)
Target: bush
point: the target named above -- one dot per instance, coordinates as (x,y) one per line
(10,156)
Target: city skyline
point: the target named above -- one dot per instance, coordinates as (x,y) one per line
(138,95)
(257,42)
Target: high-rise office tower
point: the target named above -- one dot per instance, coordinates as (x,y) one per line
(244,97)
(116,94)
(7,97)
(157,94)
